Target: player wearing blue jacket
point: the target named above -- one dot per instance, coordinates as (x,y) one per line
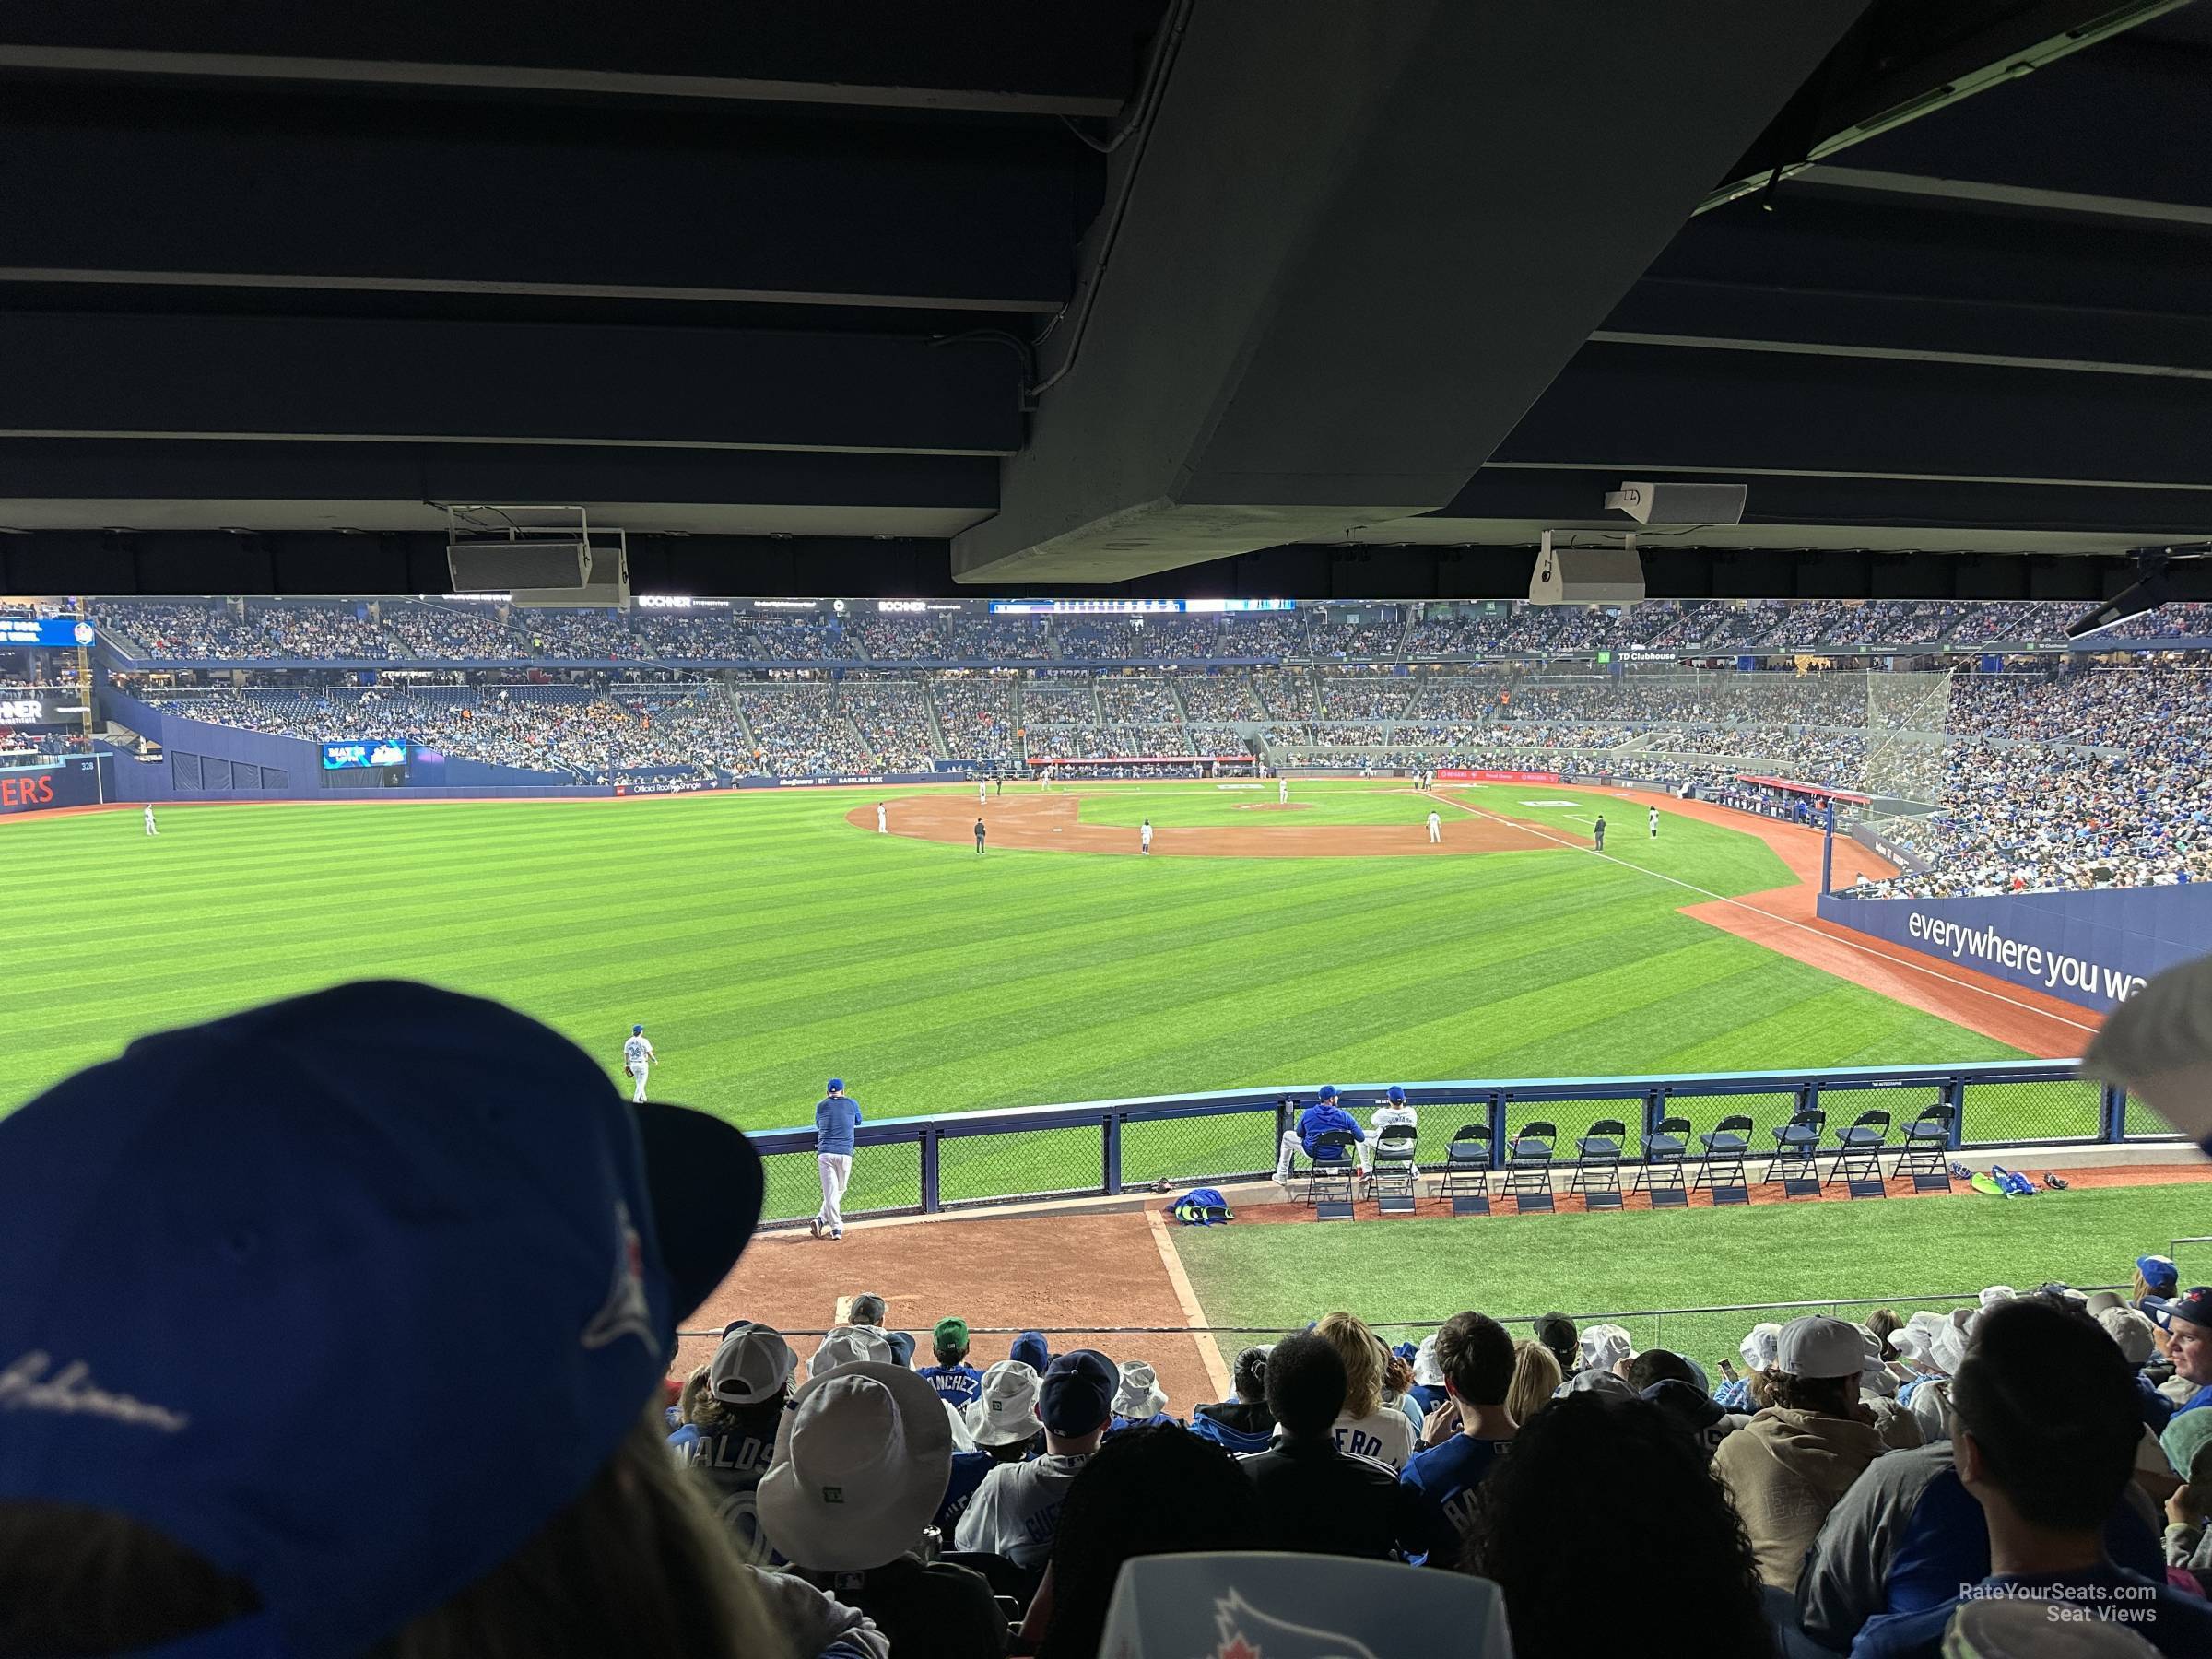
(835,1118)
(1313,1123)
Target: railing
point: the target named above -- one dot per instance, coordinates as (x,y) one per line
(906,1166)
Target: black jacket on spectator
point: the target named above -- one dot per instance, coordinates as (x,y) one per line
(1323,1502)
(937,1611)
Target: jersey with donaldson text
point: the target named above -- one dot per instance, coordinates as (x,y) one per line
(636,1052)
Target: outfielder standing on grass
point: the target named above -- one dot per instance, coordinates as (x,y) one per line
(637,1056)
(1654,823)
(835,1118)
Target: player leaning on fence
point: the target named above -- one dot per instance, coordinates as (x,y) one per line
(835,1118)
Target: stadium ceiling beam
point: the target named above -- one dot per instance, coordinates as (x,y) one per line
(163,189)
(1619,408)
(990,56)
(1906,79)
(190,376)
(310,563)
(1355,244)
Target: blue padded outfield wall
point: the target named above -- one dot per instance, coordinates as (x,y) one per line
(2094,949)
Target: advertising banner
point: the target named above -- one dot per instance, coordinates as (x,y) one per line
(1461,774)
(2094,949)
(41,786)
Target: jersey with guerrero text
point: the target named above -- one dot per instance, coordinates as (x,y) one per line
(636,1052)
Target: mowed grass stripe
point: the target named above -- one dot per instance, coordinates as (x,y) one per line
(767,944)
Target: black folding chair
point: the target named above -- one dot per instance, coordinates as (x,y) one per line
(1466,1185)
(1597,1165)
(1721,1171)
(1333,1182)
(1796,1161)
(1665,1148)
(1396,1172)
(1859,1148)
(1528,1166)
(1926,1155)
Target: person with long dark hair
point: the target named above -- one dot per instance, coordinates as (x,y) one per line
(1155,1490)
(1609,1487)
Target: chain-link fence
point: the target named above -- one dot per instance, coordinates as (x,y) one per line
(886,1181)
(1023,1163)
(1194,1151)
(2004,1114)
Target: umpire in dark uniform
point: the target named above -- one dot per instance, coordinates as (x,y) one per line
(1601,834)
(979,835)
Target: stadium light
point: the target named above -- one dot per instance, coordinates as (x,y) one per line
(2145,593)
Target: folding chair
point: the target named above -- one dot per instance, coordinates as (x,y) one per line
(1397,1172)
(1859,1148)
(1796,1162)
(1597,1165)
(1926,1157)
(1467,1184)
(1661,1173)
(1528,1167)
(1721,1171)
(1333,1182)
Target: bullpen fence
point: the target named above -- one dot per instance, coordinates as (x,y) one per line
(926,1166)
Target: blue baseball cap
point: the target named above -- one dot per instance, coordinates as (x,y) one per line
(1397,1094)
(2159,1273)
(638,1030)
(1328,1091)
(1030,1349)
(2194,1308)
(1078,1392)
(837,1086)
(204,1275)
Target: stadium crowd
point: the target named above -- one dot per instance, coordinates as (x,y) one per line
(395,630)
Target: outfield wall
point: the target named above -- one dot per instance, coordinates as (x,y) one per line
(2094,948)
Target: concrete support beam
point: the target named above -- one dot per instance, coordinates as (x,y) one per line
(1359,242)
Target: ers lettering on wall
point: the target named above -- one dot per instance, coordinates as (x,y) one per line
(26,792)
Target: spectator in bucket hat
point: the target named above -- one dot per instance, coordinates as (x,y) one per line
(199,1269)
(862,1461)
(1138,1398)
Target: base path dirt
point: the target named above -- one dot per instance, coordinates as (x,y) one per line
(1053,822)
(1090,1276)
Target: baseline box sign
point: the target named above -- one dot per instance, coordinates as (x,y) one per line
(41,787)
(2094,948)
(1462,774)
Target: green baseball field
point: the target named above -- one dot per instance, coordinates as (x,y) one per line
(768,942)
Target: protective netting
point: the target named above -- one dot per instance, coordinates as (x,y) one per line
(1908,739)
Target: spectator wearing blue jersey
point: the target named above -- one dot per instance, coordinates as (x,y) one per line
(1242,1423)
(1436,1492)
(956,1382)
(836,1116)
(1322,1118)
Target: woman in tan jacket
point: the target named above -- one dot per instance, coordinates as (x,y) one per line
(1790,1464)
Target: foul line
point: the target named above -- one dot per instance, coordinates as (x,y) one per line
(1786,921)
(1195,1321)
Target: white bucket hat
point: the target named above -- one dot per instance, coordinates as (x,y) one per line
(1820,1348)
(1427,1372)
(1758,1346)
(862,1461)
(1917,1337)
(1950,1347)
(2133,1332)
(1006,1411)
(753,1364)
(1605,1346)
(1931,1410)
(849,1344)
(1139,1397)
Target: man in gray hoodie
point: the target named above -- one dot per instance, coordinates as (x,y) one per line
(1790,1464)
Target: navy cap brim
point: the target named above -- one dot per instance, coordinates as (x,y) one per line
(707,1188)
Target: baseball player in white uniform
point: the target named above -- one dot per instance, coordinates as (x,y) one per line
(1654,823)
(637,1055)
(982,796)
(1145,838)
(1436,827)
(1394,1114)
(882,823)
(1282,792)
(149,819)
